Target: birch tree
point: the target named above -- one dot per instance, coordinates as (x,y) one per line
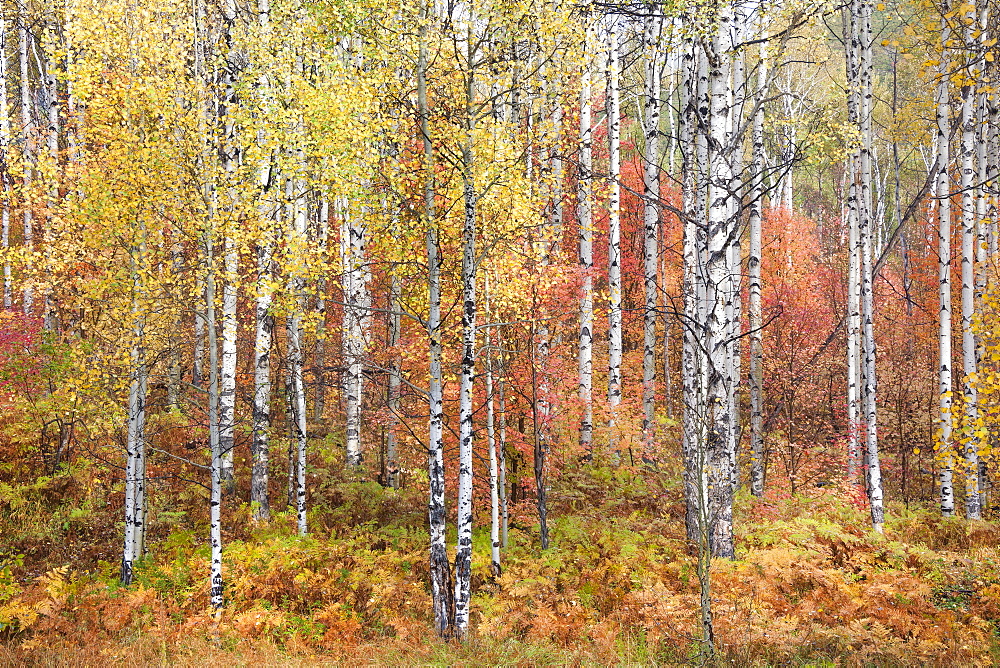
(614,229)
(968,187)
(754,269)
(442,593)
(942,200)
(5,181)
(586,256)
(653,60)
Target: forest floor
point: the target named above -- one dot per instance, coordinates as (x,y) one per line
(812,585)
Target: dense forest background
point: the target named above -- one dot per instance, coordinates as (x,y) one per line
(515,332)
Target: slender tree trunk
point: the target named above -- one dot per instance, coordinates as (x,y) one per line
(395,378)
(942,191)
(215,499)
(319,352)
(865,228)
(264,328)
(697,109)
(135,445)
(614,236)
(441,588)
(356,316)
(296,287)
(51,103)
(463,549)
(970,395)
(27,144)
(492,442)
(718,270)
(229,159)
(651,220)
(502,472)
(586,259)
(5,136)
(982,209)
(855,428)
(754,269)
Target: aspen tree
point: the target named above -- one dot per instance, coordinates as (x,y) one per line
(754,269)
(968,186)
(440,571)
(942,199)
(319,347)
(215,498)
(502,463)
(653,60)
(298,213)
(982,207)
(585,217)
(27,148)
(50,102)
(492,443)
(135,440)
(855,428)
(695,363)
(463,549)
(721,230)
(354,232)
(614,230)
(229,159)
(263,297)
(5,184)
(865,228)
(395,379)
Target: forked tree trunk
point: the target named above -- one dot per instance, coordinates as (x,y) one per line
(866,228)
(442,593)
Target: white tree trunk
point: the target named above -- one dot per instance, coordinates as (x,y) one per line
(263,335)
(502,472)
(697,109)
(51,104)
(319,352)
(492,442)
(27,144)
(969,191)
(215,498)
(754,269)
(942,192)
(718,273)
(982,209)
(586,258)
(296,288)
(135,444)
(866,227)
(395,377)
(463,548)
(356,315)
(441,588)
(614,235)
(653,58)
(5,136)
(855,427)
(227,384)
